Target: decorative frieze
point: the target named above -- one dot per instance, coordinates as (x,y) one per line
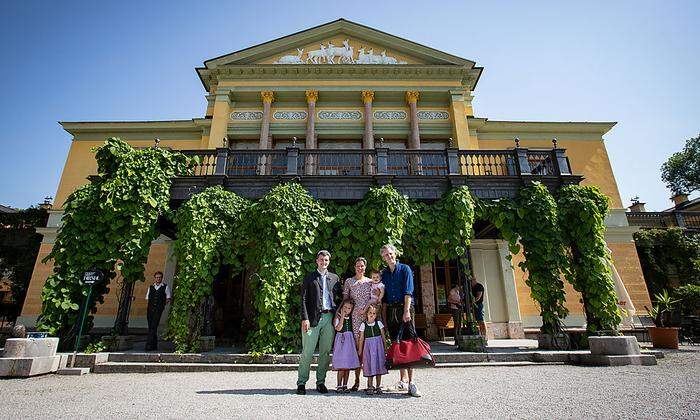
(290,115)
(433,115)
(339,115)
(246,115)
(389,115)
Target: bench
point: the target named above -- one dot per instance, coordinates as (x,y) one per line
(443,322)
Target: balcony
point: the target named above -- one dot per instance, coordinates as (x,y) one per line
(347,174)
(665,219)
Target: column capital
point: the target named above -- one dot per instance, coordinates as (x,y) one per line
(367,96)
(311,96)
(412,96)
(267,96)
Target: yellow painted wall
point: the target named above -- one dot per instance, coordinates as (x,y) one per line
(627,264)
(587,157)
(81,163)
(32,303)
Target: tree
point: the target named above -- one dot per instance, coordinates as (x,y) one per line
(681,172)
(19,246)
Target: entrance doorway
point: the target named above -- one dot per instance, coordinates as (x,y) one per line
(227,311)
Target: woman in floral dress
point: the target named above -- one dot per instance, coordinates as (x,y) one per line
(358,288)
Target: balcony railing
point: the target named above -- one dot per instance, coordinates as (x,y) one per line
(664,219)
(516,162)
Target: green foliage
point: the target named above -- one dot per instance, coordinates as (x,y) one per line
(19,246)
(209,234)
(362,228)
(582,210)
(98,346)
(284,224)
(681,172)
(536,223)
(689,298)
(664,305)
(531,221)
(668,257)
(442,230)
(112,219)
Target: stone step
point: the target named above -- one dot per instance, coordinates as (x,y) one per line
(150,367)
(443,357)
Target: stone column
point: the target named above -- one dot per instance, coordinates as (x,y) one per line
(310,162)
(265,139)
(368,137)
(460,108)
(267,98)
(515,324)
(428,295)
(412,99)
(220,119)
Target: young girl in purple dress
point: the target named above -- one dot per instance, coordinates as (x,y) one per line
(372,345)
(345,355)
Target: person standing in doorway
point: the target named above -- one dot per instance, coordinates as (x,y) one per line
(478,299)
(398,296)
(158,295)
(317,308)
(454,301)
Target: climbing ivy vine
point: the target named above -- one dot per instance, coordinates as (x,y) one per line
(582,210)
(112,219)
(531,221)
(210,233)
(285,223)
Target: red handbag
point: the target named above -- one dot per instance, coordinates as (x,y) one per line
(410,353)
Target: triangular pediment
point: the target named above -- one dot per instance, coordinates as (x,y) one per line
(339,42)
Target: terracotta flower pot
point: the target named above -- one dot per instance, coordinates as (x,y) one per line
(664,337)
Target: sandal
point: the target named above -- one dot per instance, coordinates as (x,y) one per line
(355,387)
(378,390)
(370,390)
(346,390)
(339,389)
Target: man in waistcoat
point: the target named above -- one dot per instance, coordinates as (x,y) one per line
(158,295)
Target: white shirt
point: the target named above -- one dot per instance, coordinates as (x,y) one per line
(325,293)
(158,286)
(379,323)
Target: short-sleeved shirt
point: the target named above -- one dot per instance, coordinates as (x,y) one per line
(397,283)
(372,331)
(476,288)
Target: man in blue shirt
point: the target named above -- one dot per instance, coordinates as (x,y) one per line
(398,297)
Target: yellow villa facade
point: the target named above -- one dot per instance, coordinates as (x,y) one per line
(343,87)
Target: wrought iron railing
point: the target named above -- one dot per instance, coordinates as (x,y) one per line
(516,162)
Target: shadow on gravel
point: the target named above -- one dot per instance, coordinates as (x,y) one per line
(286,391)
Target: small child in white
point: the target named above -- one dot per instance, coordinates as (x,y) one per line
(372,346)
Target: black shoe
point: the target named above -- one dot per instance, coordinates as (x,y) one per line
(321,388)
(301,390)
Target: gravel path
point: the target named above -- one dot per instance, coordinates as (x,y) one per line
(669,390)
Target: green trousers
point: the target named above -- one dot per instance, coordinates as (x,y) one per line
(321,335)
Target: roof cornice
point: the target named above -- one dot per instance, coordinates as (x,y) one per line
(78,127)
(466,75)
(484,125)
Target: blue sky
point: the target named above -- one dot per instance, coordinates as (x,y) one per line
(634,62)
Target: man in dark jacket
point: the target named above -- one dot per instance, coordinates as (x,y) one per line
(317,309)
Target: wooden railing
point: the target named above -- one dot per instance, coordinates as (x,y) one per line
(516,162)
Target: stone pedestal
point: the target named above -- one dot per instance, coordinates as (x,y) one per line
(207,343)
(471,343)
(24,357)
(621,345)
(615,351)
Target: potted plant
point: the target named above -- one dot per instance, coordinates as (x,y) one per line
(662,336)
